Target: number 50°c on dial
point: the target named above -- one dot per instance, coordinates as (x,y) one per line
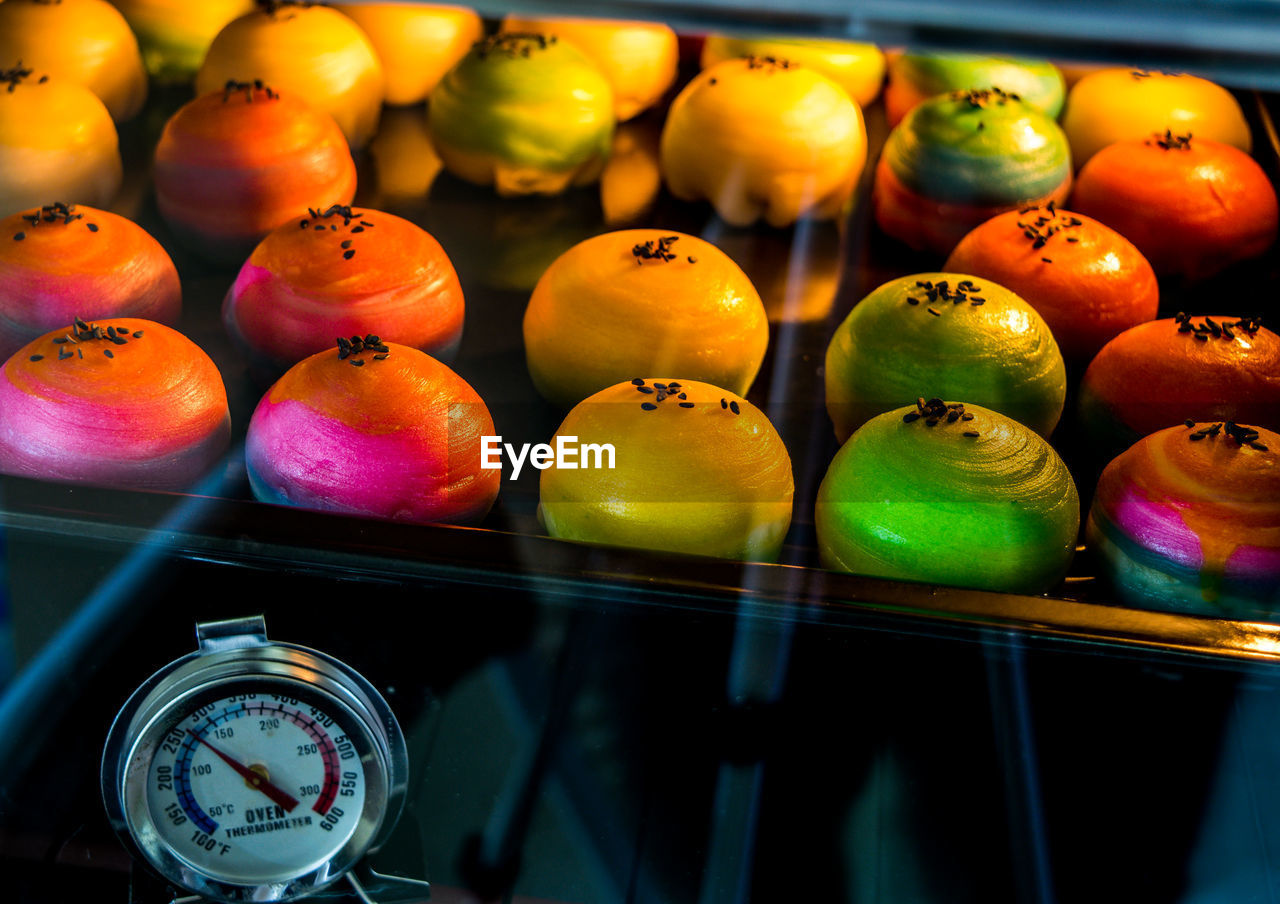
(257,786)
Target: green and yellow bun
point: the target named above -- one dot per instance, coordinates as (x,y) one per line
(960,159)
(638,58)
(1130,104)
(916,77)
(949,493)
(956,334)
(314,52)
(856,67)
(1188,520)
(174,35)
(642,301)
(57,140)
(763,138)
(416,42)
(697,469)
(83,41)
(525,113)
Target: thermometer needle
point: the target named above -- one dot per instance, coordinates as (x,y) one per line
(278,796)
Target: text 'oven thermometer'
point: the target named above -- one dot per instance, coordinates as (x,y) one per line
(251,770)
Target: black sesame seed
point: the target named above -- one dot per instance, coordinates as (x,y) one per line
(348,254)
(933,312)
(382,357)
(1047,260)
(913,300)
(686,404)
(357,362)
(683,395)
(357,229)
(1258,446)
(692,259)
(911,416)
(1189,422)
(648,390)
(966,417)
(648,406)
(1203,337)
(93,227)
(107,352)
(637,382)
(37,357)
(137,334)
(19,236)
(971,433)
(347,243)
(733,406)
(724,404)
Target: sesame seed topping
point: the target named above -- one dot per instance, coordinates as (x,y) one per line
(37,357)
(733,406)
(93,227)
(686,404)
(648,406)
(108,353)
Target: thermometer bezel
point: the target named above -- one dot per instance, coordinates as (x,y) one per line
(314,678)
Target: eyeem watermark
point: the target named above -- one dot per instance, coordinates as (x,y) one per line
(566,454)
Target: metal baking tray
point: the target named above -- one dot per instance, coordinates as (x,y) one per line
(499,247)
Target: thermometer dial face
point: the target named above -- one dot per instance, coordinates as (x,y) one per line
(255,787)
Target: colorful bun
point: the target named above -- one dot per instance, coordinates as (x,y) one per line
(233,165)
(128,403)
(175,35)
(313,52)
(83,41)
(525,113)
(631,180)
(57,140)
(1123,104)
(1087,281)
(1188,520)
(417,43)
(854,66)
(1192,207)
(959,159)
(696,470)
(642,301)
(339,272)
(60,261)
(916,77)
(762,138)
(373,429)
(405,163)
(949,494)
(638,58)
(969,337)
(1157,374)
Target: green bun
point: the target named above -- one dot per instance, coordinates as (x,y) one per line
(999,354)
(978,147)
(905,500)
(520,106)
(1038,82)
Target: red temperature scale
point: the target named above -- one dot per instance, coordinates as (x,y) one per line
(252,770)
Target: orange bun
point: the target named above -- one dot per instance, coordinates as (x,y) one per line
(234,164)
(1086,280)
(1191,206)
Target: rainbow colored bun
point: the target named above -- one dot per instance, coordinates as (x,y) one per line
(959,159)
(949,493)
(124,402)
(916,77)
(1188,519)
(373,429)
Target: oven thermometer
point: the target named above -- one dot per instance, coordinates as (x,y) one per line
(251,770)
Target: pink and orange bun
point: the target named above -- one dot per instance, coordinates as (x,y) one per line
(373,429)
(1192,206)
(1085,279)
(235,164)
(1188,519)
(1156,374)
(61,261)
(339,272)
(121,402)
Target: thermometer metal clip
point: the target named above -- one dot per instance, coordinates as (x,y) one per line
(251,770)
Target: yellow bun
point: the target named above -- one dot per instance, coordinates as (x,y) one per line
(416,42)
(613,306)
(84,41)
(313,52)
(764,139)
(854,66)
(702,471)
(631,179)
(57,141)
(638,58)
(1122,104)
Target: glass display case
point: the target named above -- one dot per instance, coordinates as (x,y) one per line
(592,725)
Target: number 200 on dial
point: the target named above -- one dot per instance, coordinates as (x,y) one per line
(257,787)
